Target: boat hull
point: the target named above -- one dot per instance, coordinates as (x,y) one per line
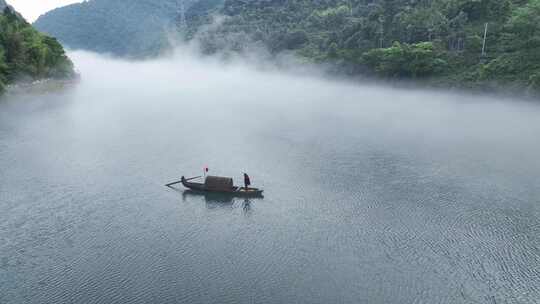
(235,191)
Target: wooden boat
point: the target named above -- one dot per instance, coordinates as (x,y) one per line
(217,184)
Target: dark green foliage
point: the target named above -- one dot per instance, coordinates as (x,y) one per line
(406,60)
(435,39)
(25,54)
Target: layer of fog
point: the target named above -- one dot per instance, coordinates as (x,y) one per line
(301,104)
(185,79)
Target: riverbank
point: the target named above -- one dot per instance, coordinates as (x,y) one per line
(42,86)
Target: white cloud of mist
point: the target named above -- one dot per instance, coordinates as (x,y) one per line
(237,48)
(184,92)
(295,94)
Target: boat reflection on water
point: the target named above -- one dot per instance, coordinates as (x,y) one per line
(209,198)
(219,200)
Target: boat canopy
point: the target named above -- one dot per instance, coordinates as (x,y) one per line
(216,183)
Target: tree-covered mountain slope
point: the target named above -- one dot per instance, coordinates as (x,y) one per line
(26,54)
(436,40)
(133,28)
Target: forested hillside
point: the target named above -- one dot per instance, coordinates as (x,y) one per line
(133,28)
(434,40)
(25,54)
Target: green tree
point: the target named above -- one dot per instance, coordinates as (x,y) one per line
(524,25)
(27,54)
(405,60)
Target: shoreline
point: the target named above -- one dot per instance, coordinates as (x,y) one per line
(47,85)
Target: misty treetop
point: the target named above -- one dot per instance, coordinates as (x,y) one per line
(26,54)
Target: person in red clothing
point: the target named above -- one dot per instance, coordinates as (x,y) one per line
(247,181)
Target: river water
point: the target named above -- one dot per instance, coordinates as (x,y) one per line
(372,194)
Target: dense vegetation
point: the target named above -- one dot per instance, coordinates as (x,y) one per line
(434,40)
(26,54)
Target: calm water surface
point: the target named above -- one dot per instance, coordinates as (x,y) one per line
(373,195)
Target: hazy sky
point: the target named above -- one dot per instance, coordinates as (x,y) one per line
(32,9)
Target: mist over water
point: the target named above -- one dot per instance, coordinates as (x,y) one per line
(372,194)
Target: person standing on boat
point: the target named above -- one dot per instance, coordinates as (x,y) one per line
(247,181)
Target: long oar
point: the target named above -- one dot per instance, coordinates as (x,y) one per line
(178,182)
